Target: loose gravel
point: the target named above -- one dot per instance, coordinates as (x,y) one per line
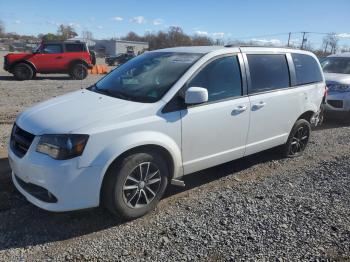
(261,207)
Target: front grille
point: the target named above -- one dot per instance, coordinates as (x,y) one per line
(20,141)
(37,191)
(336,103)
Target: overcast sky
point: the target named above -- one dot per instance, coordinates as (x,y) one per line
(260,20)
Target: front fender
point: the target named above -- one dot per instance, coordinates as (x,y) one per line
(129,141)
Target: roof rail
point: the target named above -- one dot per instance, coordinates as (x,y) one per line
(62,41)
(233,45)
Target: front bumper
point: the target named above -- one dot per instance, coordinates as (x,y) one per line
(6,64)
(338,102)
(71,187)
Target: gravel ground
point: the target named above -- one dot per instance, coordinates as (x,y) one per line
(261,207)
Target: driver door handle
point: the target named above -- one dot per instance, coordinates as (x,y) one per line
(239,109)
(59,57)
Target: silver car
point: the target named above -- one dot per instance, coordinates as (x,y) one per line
(336,70)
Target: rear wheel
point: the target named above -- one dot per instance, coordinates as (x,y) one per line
(298,139)
(23,71)
(78,71)
(134,186)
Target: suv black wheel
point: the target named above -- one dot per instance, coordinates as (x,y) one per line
(23,71)
(298,139)
(78,71)
(134,186)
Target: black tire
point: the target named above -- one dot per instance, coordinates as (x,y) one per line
(23,71)
(78,71)
(131,203)
(297,140)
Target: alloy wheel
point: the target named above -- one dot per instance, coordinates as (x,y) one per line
(142,185)
(299,140)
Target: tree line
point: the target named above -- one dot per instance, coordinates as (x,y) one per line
(171,38)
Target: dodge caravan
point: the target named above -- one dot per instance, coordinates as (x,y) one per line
(158,117)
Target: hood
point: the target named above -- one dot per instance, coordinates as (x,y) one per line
(78,110)
(332,78)
(17,56)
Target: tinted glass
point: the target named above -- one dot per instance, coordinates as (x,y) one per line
(146,78)
(307,69)
(52,48)
(338,65)
(75,48)
(222,78)
(268,72)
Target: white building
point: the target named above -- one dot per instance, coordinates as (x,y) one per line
(114,47)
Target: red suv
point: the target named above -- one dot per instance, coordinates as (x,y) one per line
(68,57)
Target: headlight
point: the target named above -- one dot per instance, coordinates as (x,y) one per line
(62,147)
(339,87)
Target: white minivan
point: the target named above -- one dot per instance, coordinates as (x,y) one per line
(162,115)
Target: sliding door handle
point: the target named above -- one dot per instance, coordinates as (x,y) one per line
(258,106)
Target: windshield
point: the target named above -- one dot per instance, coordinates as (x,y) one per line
(147,77)
(36,49)
(339,65)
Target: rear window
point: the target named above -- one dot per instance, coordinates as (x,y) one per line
(75,48)
(338,65)
(268,72)
(307,69)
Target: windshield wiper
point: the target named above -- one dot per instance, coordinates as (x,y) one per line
(109,93)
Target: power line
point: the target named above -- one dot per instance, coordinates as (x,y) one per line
(282,34)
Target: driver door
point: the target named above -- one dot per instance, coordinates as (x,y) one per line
(215,132)
(50,58)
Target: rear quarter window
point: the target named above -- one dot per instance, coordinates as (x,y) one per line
(307,69)
(75,48)
(268,72)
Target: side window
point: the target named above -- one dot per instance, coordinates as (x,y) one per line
(52,48)
(75,48)
(306,69)
(268,72)
(221,77)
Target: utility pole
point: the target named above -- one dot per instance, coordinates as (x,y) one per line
(289,38)
(303,41)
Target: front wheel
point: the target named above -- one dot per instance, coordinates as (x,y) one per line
(134,186)
(298,139)
(23,71)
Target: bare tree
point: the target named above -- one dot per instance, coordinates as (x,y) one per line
(132,36)
(2,28)
(330,41)
(202,40)
(66,32)
(173,37)
(87,35)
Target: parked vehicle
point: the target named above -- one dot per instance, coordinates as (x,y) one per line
(336,70)
(119,59)
(68,57)
(160,116)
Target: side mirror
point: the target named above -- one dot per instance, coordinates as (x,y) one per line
(196,95)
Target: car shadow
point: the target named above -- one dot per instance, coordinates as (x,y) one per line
(11,78)
(333,122)
(23,224)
